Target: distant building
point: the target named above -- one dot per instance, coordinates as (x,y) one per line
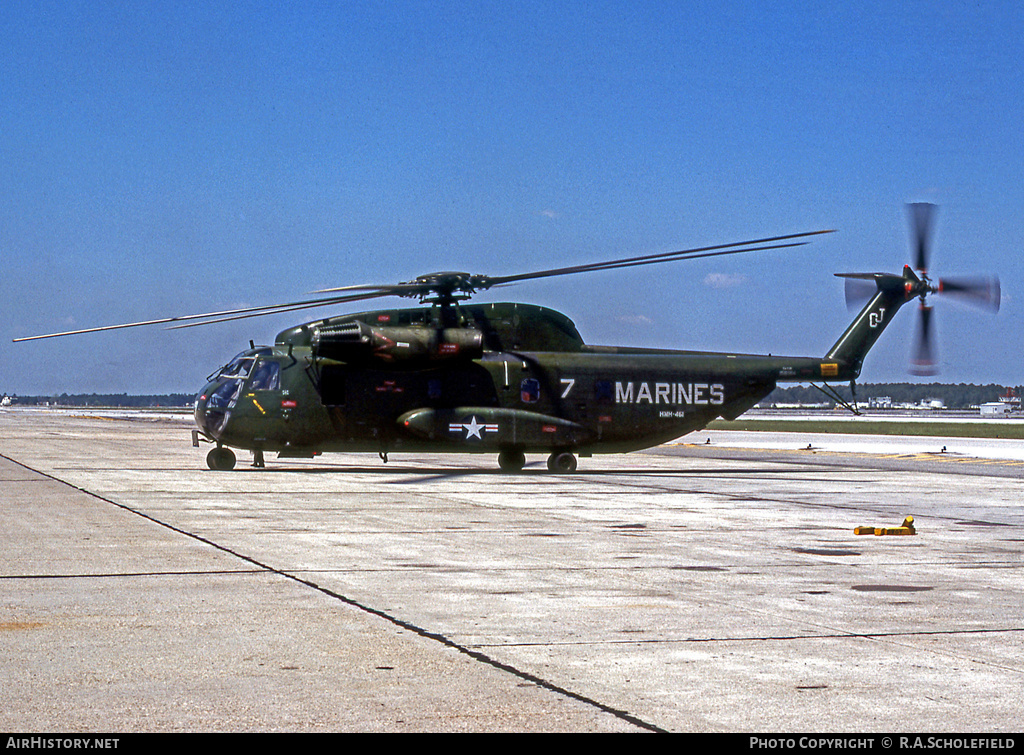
(995,409)
(1007,406)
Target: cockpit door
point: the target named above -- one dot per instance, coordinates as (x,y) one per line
(268,403)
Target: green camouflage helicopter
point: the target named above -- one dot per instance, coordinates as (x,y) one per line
(510,379)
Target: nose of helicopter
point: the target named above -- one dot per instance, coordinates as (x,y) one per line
(200,410)
(211,410)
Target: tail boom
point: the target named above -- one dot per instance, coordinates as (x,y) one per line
(892,292)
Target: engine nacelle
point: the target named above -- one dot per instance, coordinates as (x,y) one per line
(358,342)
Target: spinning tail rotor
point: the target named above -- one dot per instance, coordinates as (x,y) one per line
(979,291)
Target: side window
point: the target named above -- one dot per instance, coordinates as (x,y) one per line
(529,391)
(434,389)
(266,376)
(332,385)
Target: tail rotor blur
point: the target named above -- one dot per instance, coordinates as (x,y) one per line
(982,292)
(924,361)
(978,291)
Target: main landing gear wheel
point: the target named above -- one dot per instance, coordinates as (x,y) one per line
(511,461)
(562,463)
(221,459)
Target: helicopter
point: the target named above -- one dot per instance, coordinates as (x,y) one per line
(513,379)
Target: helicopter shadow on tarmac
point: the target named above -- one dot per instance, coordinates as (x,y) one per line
(410,475)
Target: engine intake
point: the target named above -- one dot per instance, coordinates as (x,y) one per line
(356,341)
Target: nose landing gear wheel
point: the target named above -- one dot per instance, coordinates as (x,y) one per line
(221,459)
(562,463)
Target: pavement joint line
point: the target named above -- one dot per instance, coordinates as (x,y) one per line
(117,575)
(420,631)
(769,638)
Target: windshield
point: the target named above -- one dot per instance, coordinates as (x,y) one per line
(238,367)
(225,395)
(241,365)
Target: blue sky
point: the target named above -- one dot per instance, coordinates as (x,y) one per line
(166,158)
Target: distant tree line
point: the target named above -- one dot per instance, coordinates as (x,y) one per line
(953,396)
(106,399)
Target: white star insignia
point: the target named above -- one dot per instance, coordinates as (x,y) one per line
(473,428)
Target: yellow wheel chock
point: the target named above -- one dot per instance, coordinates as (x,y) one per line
(907,528)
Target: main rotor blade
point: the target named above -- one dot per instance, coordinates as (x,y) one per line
(445,284)
(651,259)
(483,282)
(922,220)
(387,289)
(227,314)
(281,308)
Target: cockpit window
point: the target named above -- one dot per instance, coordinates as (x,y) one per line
(225,395)
(266,376)
(241,365)
(238,367)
